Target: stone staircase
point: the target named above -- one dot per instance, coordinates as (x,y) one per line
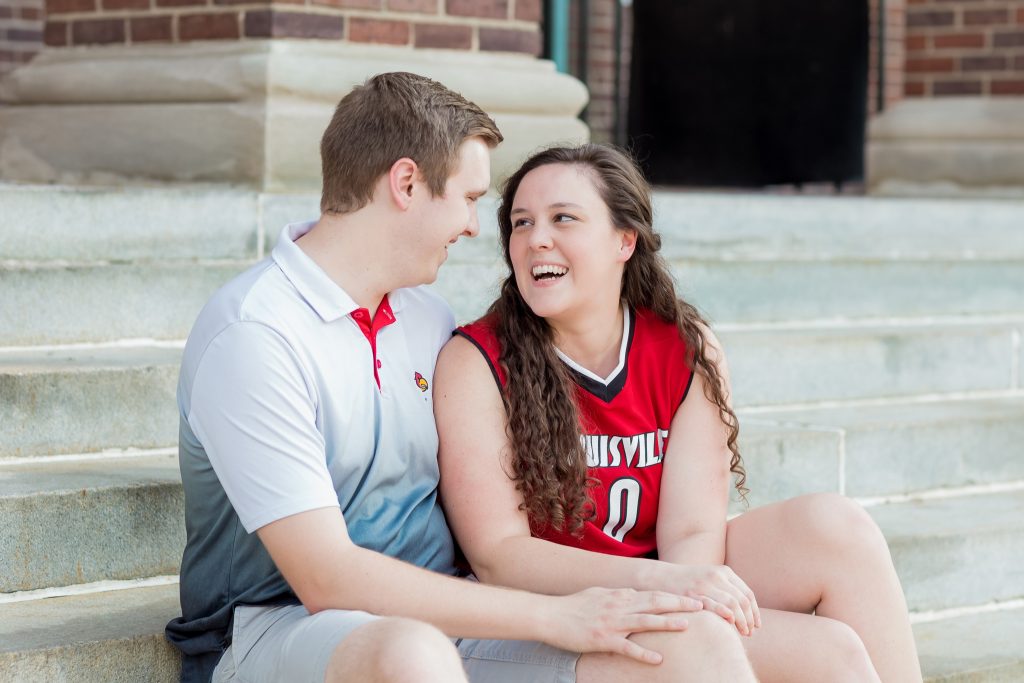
(875,349)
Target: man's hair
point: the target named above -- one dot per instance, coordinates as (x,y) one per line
(391,116)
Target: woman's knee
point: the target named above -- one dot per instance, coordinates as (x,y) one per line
(711,644)
(831,520)
(404,650)
(847,651)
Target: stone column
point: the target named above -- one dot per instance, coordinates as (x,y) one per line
(240,90)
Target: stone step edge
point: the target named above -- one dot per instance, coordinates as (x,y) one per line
(87,589)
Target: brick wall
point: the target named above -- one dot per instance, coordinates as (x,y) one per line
(21,32)
(484,25)
(892,53)
(965,47)
(600,113)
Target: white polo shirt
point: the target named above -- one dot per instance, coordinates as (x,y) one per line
(292,398)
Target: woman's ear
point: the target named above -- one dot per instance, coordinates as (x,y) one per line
(627,243)
(402,178)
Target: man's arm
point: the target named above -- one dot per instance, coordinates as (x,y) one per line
(326,570)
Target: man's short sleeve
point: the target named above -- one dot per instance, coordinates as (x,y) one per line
(254,409)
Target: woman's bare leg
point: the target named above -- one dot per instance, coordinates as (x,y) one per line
(802,648)
(709,651)
(824,553)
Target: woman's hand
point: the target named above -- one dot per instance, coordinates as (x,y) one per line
(719,589)
(601,619)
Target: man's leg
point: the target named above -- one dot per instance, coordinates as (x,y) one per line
(708,651)
(288,644)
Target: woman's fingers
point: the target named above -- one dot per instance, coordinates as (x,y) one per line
(754,611)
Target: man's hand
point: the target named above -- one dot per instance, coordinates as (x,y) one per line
(601,619)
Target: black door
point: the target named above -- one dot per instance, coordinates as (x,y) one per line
(747,93)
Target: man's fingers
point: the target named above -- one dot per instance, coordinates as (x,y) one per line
(654,622)
(640,654)
(658,602)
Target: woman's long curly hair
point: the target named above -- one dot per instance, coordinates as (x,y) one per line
(548,461)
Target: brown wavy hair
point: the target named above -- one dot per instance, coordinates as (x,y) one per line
(548,461)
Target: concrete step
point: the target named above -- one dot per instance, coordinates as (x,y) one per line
(893,449)
(772,366)
(974,648)
(109,637)
(79,400)
(76,522)
(956,552)
(117,637)
(57,303)
(781,290)
(54,223)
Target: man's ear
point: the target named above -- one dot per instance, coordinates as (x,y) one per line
(627,243)
(402,178)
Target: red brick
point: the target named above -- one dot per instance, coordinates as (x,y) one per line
(1012,39)
(492,9)
(379,31)
(30,13)
(1020,16)
(147,29)
(55,34)
(444,36)
(917,2)
(528,10)
(350,4)
(180,3)
(1018,63)
(421,6)
(1008,87)
(959,40)
(915,43)
(68,6)
(984,63)
(218,26)
(97,31)
(986,17)
(6,12)
(273,24)
(509,40)
(242,2)
(125,4)
(913,88)
(929,18)
(930,65)
(24,35)
(956,88)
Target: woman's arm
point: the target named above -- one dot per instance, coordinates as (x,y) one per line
(482,505)
(696,480)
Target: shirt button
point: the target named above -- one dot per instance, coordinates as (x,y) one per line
(378,364)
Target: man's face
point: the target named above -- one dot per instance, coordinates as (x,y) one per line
(441,220)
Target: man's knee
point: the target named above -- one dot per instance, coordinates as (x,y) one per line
(395,649)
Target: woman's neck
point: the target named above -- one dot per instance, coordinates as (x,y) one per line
(594,342)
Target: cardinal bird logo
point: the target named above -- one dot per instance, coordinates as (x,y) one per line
(421,382)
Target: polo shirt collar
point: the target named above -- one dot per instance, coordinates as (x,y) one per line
(322,293)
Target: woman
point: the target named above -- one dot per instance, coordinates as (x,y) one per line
(587,439)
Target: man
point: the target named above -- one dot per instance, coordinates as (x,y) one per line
(317,549)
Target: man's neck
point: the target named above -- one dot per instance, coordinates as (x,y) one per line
(348,249)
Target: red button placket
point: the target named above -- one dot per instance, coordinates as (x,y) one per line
(381,319)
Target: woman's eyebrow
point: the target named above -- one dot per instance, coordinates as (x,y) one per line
(556,205)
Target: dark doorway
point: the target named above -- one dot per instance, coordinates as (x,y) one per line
(747,93)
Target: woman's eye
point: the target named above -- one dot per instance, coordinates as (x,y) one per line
(564,218)
(520,223)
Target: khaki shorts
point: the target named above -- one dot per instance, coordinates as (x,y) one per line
(286,643)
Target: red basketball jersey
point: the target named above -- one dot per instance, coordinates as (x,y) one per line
(625,423)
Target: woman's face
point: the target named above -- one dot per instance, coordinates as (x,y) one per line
(566,255)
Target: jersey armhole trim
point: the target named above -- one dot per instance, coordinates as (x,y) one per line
(689,383)
(487,358)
